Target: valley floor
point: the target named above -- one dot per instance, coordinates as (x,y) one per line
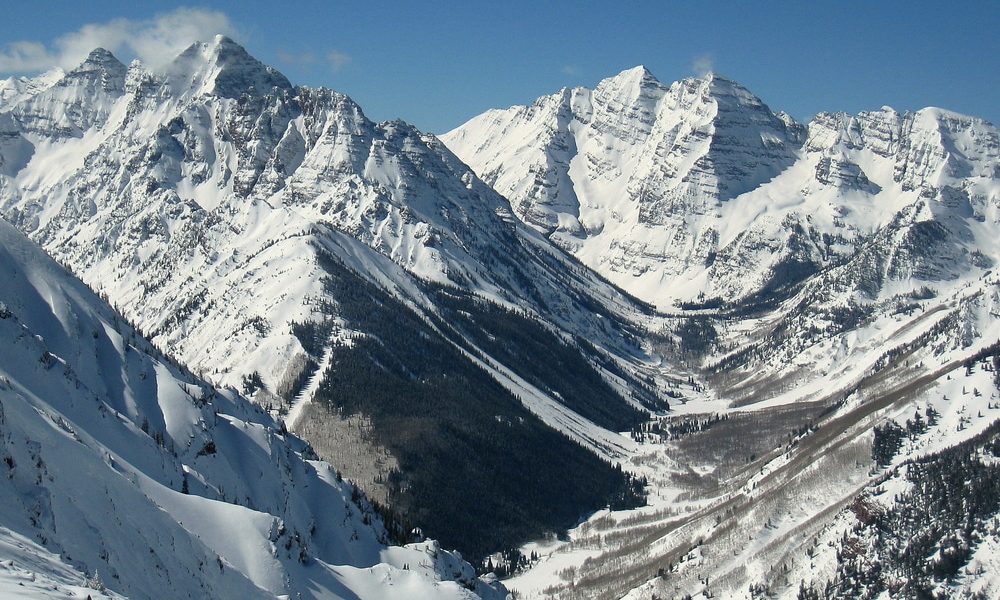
(755,501)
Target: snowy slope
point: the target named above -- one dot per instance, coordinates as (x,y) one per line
(770,496)
(821,280)
(121,466)
(791,255)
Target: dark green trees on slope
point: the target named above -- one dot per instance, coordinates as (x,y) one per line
(478,471)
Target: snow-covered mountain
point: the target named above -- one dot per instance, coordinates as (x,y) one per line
(698,193)
(461,354)
(124,471)
(269,236)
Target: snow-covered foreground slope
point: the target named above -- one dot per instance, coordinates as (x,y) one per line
(119,466)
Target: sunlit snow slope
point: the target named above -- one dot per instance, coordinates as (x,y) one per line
(121,469)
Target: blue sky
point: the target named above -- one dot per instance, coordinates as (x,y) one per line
(436,64)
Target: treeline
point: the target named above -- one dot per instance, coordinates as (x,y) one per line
(889,437)
(671,428)
(509,562)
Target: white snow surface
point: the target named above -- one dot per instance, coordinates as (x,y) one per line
(119,464)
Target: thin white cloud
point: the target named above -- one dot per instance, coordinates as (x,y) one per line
(334,60)
(337,60)
(570,70)
(296,58)
(24,56)
(703,64)
(155,41)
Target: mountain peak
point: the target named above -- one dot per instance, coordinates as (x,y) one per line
(101,56)
(225,40)
(631,86)
(223,67)
(638,82)
(716,81)
(719,86)
(638,77)
(638,71)
(100,65)
(726,94)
